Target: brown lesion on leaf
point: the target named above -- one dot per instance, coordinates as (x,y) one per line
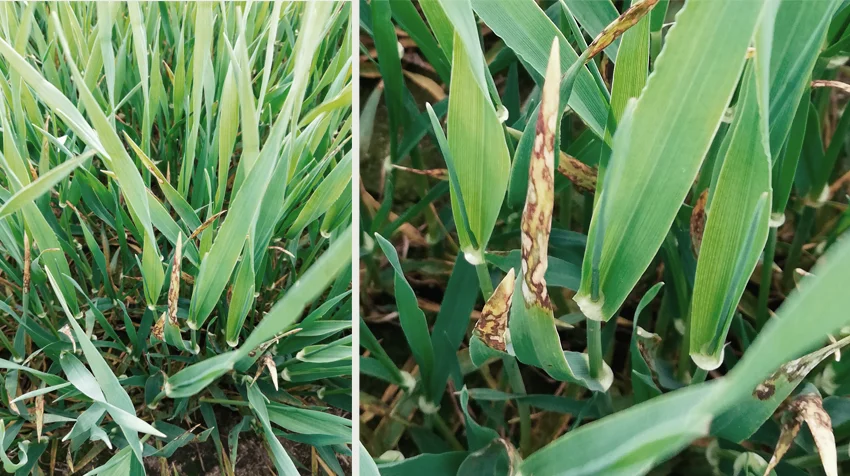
(174,288)
(647,344)
(827,83)
(158,330)
(267,361)
(580,174)
(540,197)
(790,428)
(439,174)
(66,329)
(39,416)
(492,327)
(626,20)
(27,262)
(173,292)
(209,221)
(765,390)
(514,458)
(808,408)
(812,411)
(698,218)
(796,369)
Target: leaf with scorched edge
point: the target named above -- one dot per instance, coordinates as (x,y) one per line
(807,407)
(489,338)
(740,422)
(532,324)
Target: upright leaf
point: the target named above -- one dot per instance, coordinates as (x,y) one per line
(533,333)
(658,154)
(476,138)
(744,178)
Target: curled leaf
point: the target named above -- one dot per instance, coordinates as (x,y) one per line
(269,363)
(492,326)
(153,276)
(439,174)
(540,198)
(8,465)
(39,415)
(27,262)
(790,428)
(66,329)
(826,83)
(698,221)
(748,464)
(174,288)
(808,407)
(615,29)
(580,174)
(534,336)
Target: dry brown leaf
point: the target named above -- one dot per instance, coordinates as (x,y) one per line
(808,408)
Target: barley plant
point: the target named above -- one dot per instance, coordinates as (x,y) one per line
(175,235)
(605,238)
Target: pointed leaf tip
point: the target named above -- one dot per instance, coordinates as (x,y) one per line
(492,326)
(540,197)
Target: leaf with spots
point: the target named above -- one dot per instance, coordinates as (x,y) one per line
(807,407)
(489,338)
(532,324)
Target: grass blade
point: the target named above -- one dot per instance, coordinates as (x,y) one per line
(525,28)
(639,211)
(744,179)
(476,138)
(43,185)
(532,324)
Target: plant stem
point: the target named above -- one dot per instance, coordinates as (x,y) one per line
(685,352)
(800,237)
(484,280)
(517,385)
(594,327)
(432,221)
(594,347)
(680,285)
(224,401)
(566,215)
(447,432)
(511,369)
(699,376)
(588,211)
(763,312)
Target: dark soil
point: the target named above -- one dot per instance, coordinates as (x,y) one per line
(252,458)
